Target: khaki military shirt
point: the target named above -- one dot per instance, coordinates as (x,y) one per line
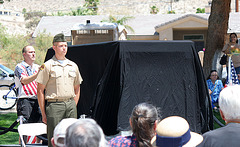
(59,79)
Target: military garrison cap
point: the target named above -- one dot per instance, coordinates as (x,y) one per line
(59,38)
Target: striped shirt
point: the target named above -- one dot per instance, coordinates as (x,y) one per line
(24,70)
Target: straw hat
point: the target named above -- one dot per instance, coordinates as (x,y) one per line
(174,131)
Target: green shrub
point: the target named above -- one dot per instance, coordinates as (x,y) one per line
(11,47)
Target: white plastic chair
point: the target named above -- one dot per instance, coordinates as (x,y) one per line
(31,129)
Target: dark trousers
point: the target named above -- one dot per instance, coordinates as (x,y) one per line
(56,111)
(29,109)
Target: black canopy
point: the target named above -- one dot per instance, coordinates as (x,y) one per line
(121,74)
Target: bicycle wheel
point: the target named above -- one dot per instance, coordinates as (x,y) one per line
(7,100)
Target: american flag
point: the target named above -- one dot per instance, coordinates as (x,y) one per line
(233,75)
(31,139)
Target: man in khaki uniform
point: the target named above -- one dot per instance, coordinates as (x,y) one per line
(61,81)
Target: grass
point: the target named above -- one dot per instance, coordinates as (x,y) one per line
(6,120)
(219,118)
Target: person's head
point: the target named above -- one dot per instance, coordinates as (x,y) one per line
(143,121)
(229,103)
(28,54)
(85,132)
(233,38)
(213,75)
(60,131)
(174,131)
(60,46)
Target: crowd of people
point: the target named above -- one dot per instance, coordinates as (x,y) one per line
(215,85)
(148,130)
(49,93)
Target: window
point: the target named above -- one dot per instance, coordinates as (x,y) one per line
(83,31)
(101,31)
(193,37)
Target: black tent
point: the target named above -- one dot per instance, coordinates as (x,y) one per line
(120,74)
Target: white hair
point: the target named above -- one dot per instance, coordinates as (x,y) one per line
(85,132)
(229,102)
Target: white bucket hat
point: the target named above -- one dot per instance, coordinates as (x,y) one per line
(174,131)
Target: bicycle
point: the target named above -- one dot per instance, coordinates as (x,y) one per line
(8,96)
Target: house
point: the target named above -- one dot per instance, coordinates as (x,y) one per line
(96,32)
(146,27)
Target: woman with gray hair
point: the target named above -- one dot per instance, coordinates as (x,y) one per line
(143,121)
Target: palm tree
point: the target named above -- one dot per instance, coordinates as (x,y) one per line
(120,21)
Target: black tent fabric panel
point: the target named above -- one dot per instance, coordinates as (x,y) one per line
(92,60)
(206,119)
(118,75)
(162,73)
(108,97)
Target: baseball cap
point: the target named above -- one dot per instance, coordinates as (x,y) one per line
(60,130)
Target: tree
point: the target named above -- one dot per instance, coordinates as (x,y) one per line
(83,11)
(43,42)
(154,10)
(33,18)
(11,47)
(199,10)
(120,21)
(4,41)
(171,12)
(24,10)
(11,53)
(2,1)
(77,12)
(216,35)
(92,4)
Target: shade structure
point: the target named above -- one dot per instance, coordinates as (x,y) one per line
(118,75)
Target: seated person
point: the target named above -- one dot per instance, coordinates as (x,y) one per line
(143,121)
(174,131)
(228,136)
(60,131)
(215,86)
(85,133)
